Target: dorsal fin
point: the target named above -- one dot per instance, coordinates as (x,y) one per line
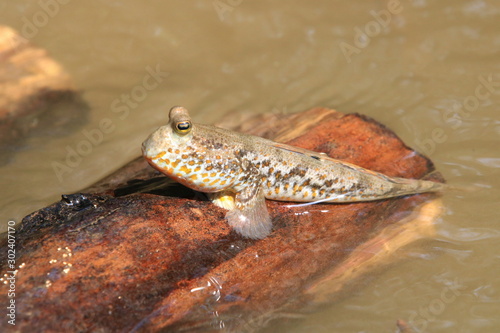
(325,157)
(313,154)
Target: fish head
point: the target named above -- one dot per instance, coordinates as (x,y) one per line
(172,139)
(179,151)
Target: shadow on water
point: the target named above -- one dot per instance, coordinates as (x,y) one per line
(65,113)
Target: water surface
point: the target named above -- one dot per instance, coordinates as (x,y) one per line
(420,67)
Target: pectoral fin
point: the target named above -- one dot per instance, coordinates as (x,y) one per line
(250,217)
(223,199)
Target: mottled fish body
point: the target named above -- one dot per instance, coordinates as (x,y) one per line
(240,171)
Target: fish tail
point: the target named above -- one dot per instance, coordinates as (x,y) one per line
(405,186)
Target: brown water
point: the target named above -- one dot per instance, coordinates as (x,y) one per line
(420,68)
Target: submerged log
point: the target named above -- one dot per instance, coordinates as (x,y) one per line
(137,252)
(34,90)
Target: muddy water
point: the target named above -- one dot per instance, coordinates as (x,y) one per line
(428,70)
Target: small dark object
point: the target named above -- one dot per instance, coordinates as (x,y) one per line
(78,201)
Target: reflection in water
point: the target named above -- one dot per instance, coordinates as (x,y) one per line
(30,131)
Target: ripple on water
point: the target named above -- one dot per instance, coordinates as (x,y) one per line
(471,234)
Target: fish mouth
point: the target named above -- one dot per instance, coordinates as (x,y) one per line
(156,166)
(147,152)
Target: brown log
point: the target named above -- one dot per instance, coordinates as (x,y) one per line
(145,254)
(36,94)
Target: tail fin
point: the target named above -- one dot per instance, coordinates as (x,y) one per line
(404,186)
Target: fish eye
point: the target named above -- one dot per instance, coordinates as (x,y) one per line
(183,127)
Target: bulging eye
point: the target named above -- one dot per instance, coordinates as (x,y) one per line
(183,127)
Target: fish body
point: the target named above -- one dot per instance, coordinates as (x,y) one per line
(240,171)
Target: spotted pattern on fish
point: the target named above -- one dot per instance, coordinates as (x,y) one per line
(239,171)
